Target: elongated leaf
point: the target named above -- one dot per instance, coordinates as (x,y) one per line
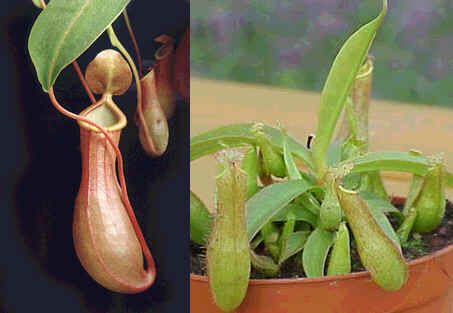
(405,228)
(315,252)
(299,212)
(270,200)
(200,220)
(64,30)
(340,257)
(293,244)
(291,167)
(389,161)
(385,225)
(339,83)
(239,135)
(414,191)
(264,264)
(270,234)
(334,153)
(379,207)
(293,173)
(378,203)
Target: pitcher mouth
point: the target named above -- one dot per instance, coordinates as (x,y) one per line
(105,113)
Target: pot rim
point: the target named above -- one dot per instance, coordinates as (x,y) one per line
(318,280)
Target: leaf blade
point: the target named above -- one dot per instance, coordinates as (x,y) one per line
(270,200)
(239,135)
(293,244)
(315,252)
(339,83)
(80,23)
(200,220)
(389,161)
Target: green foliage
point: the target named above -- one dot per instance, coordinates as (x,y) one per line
(270,200)
(315,252)
(200,220)
(64,30)
(239,135)
(340,257)
(317,202)
(339,83)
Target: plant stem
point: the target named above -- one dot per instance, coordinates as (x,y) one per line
(134,42)
(117,43)
(78,71)
(122,180)
(83,81)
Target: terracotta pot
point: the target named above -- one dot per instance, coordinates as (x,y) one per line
(428,290)
(104,237)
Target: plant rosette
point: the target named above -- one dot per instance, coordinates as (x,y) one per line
(352,293)
(319,215)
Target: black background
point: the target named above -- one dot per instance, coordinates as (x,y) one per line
(40,175)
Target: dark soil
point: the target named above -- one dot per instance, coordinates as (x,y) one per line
(418,246)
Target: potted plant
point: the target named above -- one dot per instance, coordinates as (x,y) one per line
(313,225)
(107,237)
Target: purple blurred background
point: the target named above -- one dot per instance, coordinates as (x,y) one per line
(292,44)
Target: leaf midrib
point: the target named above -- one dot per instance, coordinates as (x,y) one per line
(58,49)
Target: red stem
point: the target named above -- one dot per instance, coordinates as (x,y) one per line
(78,71)
(134,42)
(122,180)
(83,81)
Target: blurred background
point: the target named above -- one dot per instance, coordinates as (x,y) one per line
(292,44)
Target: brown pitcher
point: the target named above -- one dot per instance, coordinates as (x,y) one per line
(104,237)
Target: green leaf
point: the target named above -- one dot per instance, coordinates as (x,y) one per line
(340,257)
(291,167)
(334,153)
(293,244)
(388,161)
(299,212)
(406,227)
(378,203)
(270,234)
(239,135)
(200,220)
(414,191)
(264,264)
(293,173)
(64,30)
(372,182)
(315,252)
(384,223)
(378,208)
(267,203)
(339,83)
